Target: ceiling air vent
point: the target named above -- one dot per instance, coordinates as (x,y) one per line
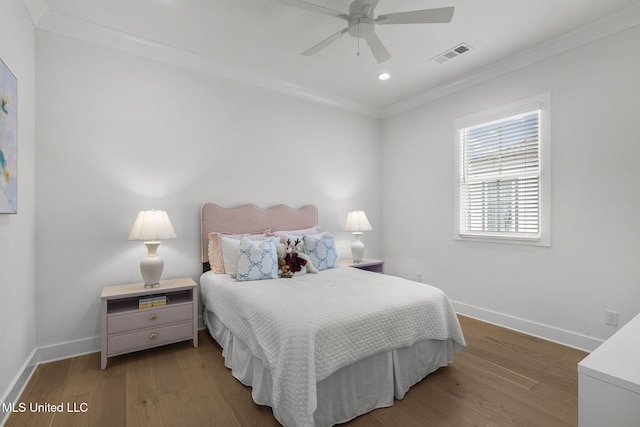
(452,53)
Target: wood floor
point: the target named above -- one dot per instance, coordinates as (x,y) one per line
(503,379)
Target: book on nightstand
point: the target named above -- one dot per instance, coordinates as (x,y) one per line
(152,301)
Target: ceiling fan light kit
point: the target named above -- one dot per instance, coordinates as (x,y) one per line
(361,23)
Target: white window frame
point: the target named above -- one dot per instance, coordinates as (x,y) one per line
(541,102)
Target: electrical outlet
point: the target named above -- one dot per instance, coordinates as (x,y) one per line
(611,317)
(419,277)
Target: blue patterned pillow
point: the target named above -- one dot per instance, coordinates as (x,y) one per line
(321,249)
(258,259)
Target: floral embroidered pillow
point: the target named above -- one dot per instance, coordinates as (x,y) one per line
(321,249)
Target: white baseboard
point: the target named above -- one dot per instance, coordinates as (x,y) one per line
(18,385)
(91,345)
(539,330)
(54,352)
(47,354)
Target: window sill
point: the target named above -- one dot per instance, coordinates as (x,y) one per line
(504,239)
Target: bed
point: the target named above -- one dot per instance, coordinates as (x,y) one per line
(319,348)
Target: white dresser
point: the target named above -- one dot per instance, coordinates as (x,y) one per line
(609,381)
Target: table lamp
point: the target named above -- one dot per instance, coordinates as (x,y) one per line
(152,226)
(357,222)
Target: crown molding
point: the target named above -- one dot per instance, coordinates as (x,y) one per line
(47,20)
(37,9)
(74,28)
(623,20)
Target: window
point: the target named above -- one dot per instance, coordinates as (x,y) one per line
(500,175)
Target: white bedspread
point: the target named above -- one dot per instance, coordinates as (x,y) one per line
(307,327)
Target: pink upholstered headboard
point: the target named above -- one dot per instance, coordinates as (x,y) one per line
(251,219)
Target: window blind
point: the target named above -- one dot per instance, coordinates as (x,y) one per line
(500,177)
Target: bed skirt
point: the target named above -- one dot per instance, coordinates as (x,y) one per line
(351,391)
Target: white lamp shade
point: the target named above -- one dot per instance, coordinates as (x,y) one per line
(152,225)
(357,221)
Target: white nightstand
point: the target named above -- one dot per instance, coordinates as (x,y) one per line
(127,328)
(375,265)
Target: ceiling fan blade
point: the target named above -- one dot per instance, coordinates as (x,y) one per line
(427,16)
(324,43)
(315,8)
(379,51)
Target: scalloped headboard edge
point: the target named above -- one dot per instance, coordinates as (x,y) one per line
(250,218)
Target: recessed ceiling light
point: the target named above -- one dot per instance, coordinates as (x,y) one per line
(384,76)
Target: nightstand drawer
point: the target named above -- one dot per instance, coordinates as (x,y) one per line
(151,337)
(149,317)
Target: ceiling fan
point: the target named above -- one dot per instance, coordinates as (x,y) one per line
(361,23)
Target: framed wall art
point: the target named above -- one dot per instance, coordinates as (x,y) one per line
(8,140)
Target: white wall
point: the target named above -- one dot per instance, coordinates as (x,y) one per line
(593,262)
(17,241)
(118,133)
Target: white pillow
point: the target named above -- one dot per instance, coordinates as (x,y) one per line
(298,233)
(230,253)
(321,249)
(258,260)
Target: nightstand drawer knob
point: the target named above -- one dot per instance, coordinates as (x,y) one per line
(153,317)
(153,336)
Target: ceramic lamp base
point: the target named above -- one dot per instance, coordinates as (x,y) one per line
(357,248)
(151,266)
